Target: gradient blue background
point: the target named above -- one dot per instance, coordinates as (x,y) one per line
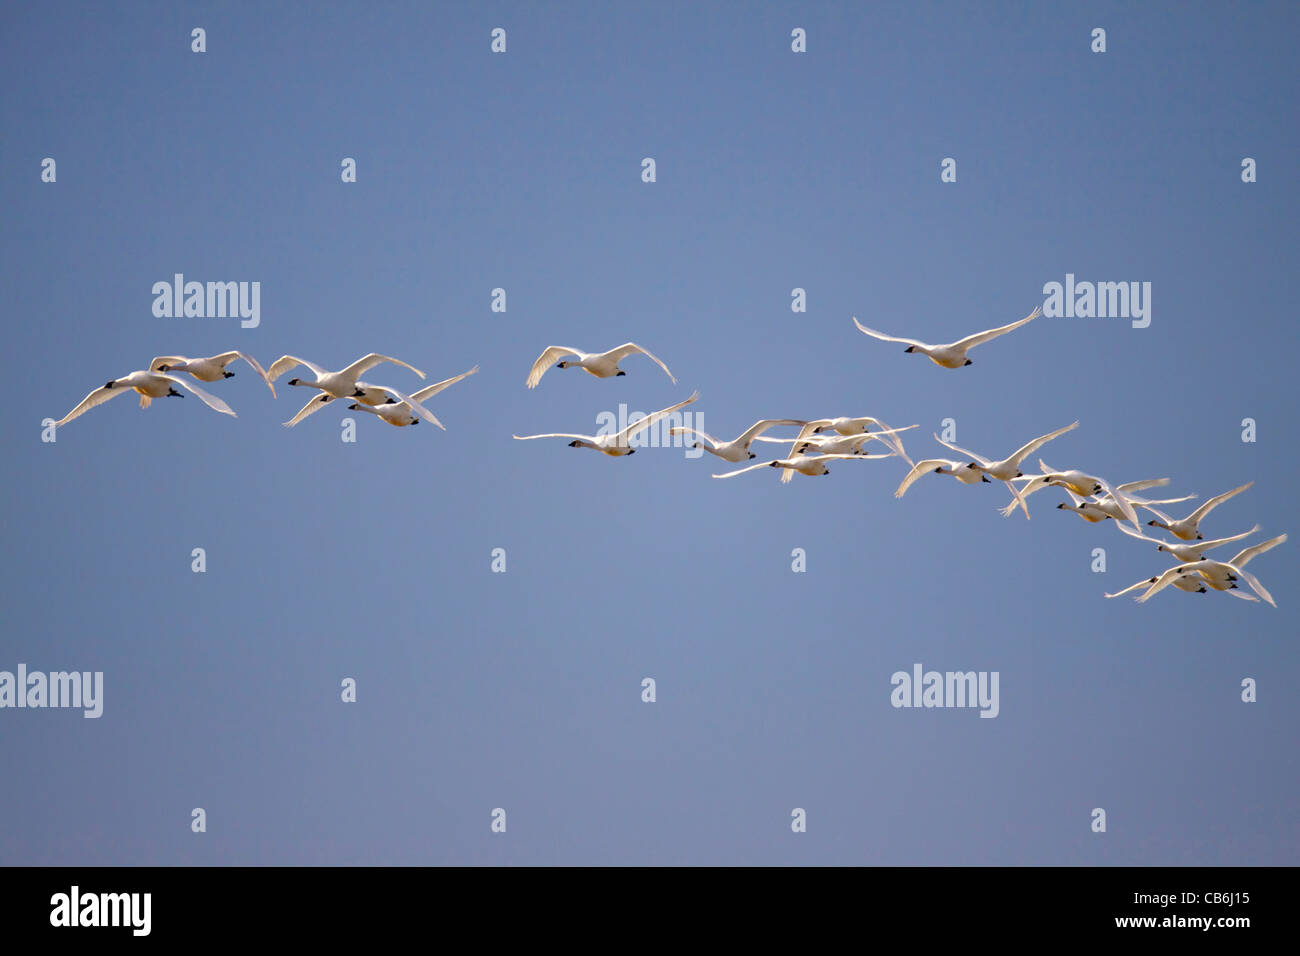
(522,690)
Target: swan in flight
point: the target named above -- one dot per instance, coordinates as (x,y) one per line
(1009,467)
(1105,508)
(599,364)
(1186,529)
(952,355)
(149,385)
(341,384)
(615,444)
(1037,483)
(811,465)
(1080,483)
(1186,552)
(840,444)
(940,466)
(398,412)
(737,450)
(210,369)
(1220,575)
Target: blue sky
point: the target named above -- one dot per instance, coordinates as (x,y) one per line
(522,690)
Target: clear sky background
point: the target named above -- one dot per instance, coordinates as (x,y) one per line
(522,690)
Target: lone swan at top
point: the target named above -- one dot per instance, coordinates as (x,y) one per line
(952,355)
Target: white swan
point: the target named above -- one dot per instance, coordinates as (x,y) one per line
(1186,529)
(811,465)
(1009,467)
(1107,508)
(738,449)
(615,444)
(341,384)
(836,444)
(599,364)
(952,355)
(1220,575)
(940,466)
(149,385)
(1186,552)
(1081,484)
(210,369)
(1037,483)
(398,412)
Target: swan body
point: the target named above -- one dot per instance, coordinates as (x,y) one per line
(736,450)
(952,355)
(210,369)
(940,466)
(811,465)
(1186,552)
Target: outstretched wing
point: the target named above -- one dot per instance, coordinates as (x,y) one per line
(741,471)
(1253,552)
(887,338)
(1024,451)
(166,360)
(923,468)
(286,362)
(98,397)
(311,408)
(756,429)
(623,351)
(962,451)
(427,393)
(214,403)
(225,358)
(643,423)
(979,338)
(367,362)
(1213,503)
(546,360)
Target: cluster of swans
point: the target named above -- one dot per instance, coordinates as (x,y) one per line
(820,441)
(816,443)
(390,404)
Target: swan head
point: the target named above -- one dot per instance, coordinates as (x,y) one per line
(353,406)
(390,401)
(163,368)
(111,383)
(1152,523)
(1061,505)
(295,381)
(910,348)
(752,456)
(1200,537)
(1020,474)
(1160,547)
(359,393)
(969,362)
(562,365)
(575,444)
(619,372)
(226,374)
(1201,589)
(774,464)
(985,479)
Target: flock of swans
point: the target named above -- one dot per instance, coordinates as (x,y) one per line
(816,443)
